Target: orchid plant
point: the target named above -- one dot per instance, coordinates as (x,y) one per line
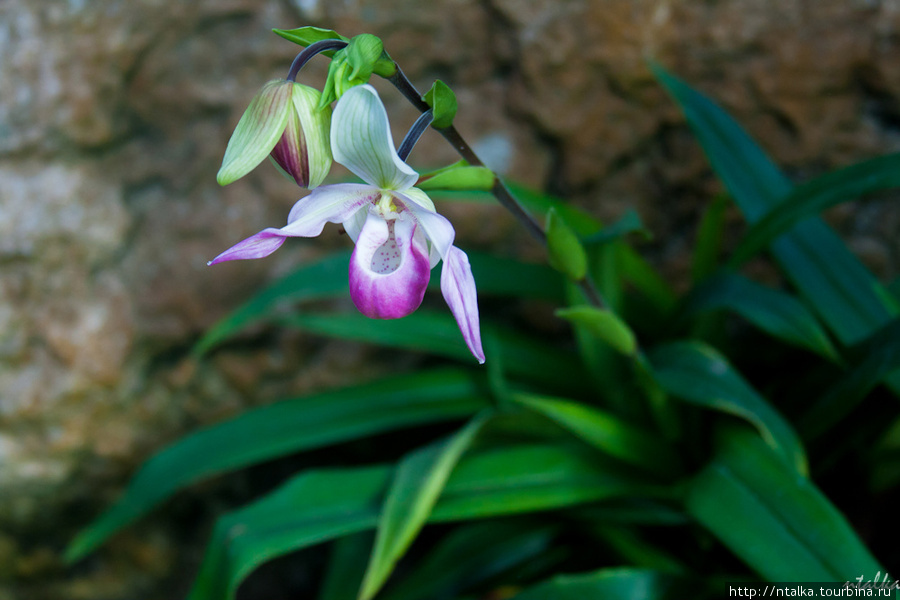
(644,450)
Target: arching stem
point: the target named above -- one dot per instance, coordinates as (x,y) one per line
(414,133)
(310,51)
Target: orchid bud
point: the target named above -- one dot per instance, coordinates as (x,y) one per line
(304,150)
(283,120)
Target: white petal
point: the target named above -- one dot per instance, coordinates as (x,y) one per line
(437,229)
(328,204)
(361,140)
(354,224)
(420,198)
(458,287)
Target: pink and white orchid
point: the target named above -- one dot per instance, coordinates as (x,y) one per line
(399,237)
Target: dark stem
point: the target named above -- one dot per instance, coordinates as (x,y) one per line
(503,195)
(414,133)
(310,51)
(500,191)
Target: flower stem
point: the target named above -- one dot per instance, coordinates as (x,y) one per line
(500,191)
(414,133)
(307,53)
(503,195)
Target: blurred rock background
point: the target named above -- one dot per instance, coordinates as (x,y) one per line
(114,117)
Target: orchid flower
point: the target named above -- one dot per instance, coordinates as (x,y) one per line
(398,235)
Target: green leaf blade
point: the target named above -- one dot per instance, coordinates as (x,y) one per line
(775,312)
(814,196)
(317,506)
(777,522)
(283,428)
(418,482)
(623,583)
(606,432)
(698,374)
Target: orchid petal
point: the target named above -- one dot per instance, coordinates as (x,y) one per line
(327,204)
(361,141)
(389,269)
(354,224)
(437,228)
(259,129)
(260,245)
(291,154)
(316,126)
(304,151)
(458,288)
(419,197)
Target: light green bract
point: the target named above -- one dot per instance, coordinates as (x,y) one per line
(283,120)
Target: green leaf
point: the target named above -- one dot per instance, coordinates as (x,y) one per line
(773,311)
(709,239)
(564,251)
(604,325)
(463,177)
(698,374)
(630,222)
(872,361)
(582,223)
(283,428)
(498,276)
(438,334)
(443,104)
(418,481)
(633,549)
(321,505)
(624,583)
(324,278)
(632,512)
(607,367)
(779,524)
(305,36)
(814,196)
(847,297)
(346,566)
(517,479)
(309,509)
(470,555)
(606,432)
(637,272)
